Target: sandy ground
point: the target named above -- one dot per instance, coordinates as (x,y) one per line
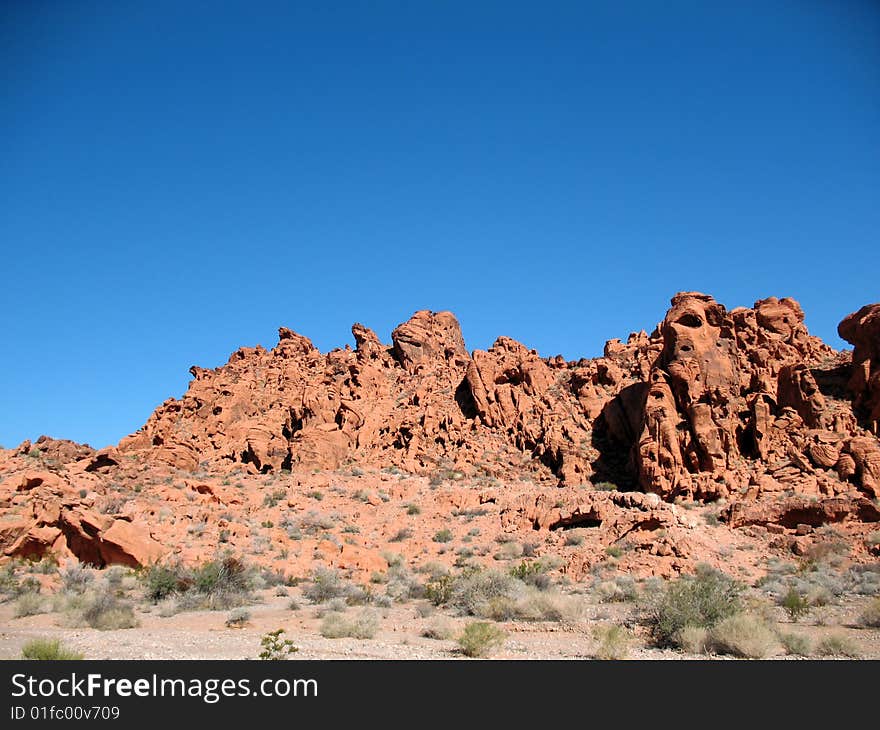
(204,634)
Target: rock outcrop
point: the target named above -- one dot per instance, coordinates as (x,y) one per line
(739,406)
(862,329)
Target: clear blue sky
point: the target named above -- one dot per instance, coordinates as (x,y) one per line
(181,178)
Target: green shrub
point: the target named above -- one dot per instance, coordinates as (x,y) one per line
(225,575)
(795,604)
(438,590)
(700,600)
(48,650)
(480,638)
(444,535)
(612,642)
(163,581)
(533,573)
(273,498)
(838,645)
(743,635)
(275,647)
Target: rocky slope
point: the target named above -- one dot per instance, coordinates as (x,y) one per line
(742,410)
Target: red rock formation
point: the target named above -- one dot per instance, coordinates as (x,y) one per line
(743,405)
(733,397)
(862,329)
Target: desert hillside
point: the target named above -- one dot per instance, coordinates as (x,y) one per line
(724,438)
(740,409)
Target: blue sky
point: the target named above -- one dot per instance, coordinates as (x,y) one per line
(181,178)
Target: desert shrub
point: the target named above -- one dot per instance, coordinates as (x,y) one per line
(357,595)
(743,635)
(114,575)
(818,582)
(795,604)
(273,577)
(29,604)
(480,638)
(238,617)
(168,607)
(864,579)
(612,642)
(700,600)
(224,575)
(362,626)
(313,522)
(573,538)
(402,585)
(334,605)
(103,611)
(474,589)
(48,650)
(537,605)
(693,639)
(281,591)
(8,579)
(509,551)
(274,647)
(401,535)
(605,486)
(870,616)
(438,590)
(325,584)
(620,589)
(76,578)
(795,644)
(29,584)
(162,581)
(440,628)
(413,509)
(444,535)
(394,560)
(614,551)
(47,565)
(533,573)
(837,645)
(274,497)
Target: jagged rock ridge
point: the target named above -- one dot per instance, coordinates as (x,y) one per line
(712,402)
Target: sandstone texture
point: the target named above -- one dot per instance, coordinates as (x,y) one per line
(298,457)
